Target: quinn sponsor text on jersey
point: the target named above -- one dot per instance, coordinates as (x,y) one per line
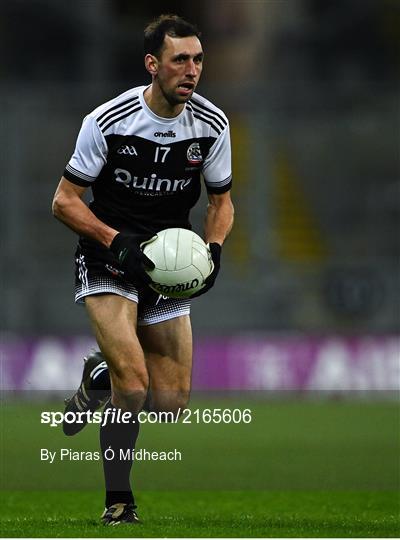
(145,171)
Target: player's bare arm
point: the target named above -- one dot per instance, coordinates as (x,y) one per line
(69,208)
(218,224)
(219,217)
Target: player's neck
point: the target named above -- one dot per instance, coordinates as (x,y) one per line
(159,105)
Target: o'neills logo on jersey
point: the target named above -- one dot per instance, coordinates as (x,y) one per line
(169,133)
(151,185)
(194,154)
(178,288)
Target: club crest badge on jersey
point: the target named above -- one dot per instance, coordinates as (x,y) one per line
(194,154)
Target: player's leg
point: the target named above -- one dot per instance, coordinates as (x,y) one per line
(154,310)
(168,351)
(113,318)
(170,365)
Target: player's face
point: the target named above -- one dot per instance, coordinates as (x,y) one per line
(179,68)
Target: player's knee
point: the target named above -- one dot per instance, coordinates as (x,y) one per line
(128,399)
(170,402)
(130,389)
(180,402)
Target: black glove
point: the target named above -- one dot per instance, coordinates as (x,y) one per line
(215,250)
(132,260)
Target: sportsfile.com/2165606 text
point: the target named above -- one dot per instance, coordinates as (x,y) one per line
(185,416)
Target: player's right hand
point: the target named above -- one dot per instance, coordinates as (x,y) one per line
(131,259)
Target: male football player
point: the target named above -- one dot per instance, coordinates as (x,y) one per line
(144,154)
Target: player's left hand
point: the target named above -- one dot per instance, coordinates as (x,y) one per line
(215,250)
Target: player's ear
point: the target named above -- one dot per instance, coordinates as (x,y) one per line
(151,64)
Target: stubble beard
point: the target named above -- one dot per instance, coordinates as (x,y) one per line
(173,99)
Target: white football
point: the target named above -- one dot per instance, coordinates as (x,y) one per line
(182,262)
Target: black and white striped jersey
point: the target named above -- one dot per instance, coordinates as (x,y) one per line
(145,171)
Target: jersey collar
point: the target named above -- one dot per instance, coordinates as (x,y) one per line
(155,117)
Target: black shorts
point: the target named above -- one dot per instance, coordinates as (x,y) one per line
(101,276)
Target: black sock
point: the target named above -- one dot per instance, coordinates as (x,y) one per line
(117,441)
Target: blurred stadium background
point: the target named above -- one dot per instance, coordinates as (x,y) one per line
(308,298)
(312,91)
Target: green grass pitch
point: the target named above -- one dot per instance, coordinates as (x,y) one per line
(301,468)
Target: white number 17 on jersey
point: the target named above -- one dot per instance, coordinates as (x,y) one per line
(164,151)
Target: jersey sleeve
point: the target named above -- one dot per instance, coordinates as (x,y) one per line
(90,155)
(217,168)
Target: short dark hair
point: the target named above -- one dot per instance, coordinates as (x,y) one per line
(170,25)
